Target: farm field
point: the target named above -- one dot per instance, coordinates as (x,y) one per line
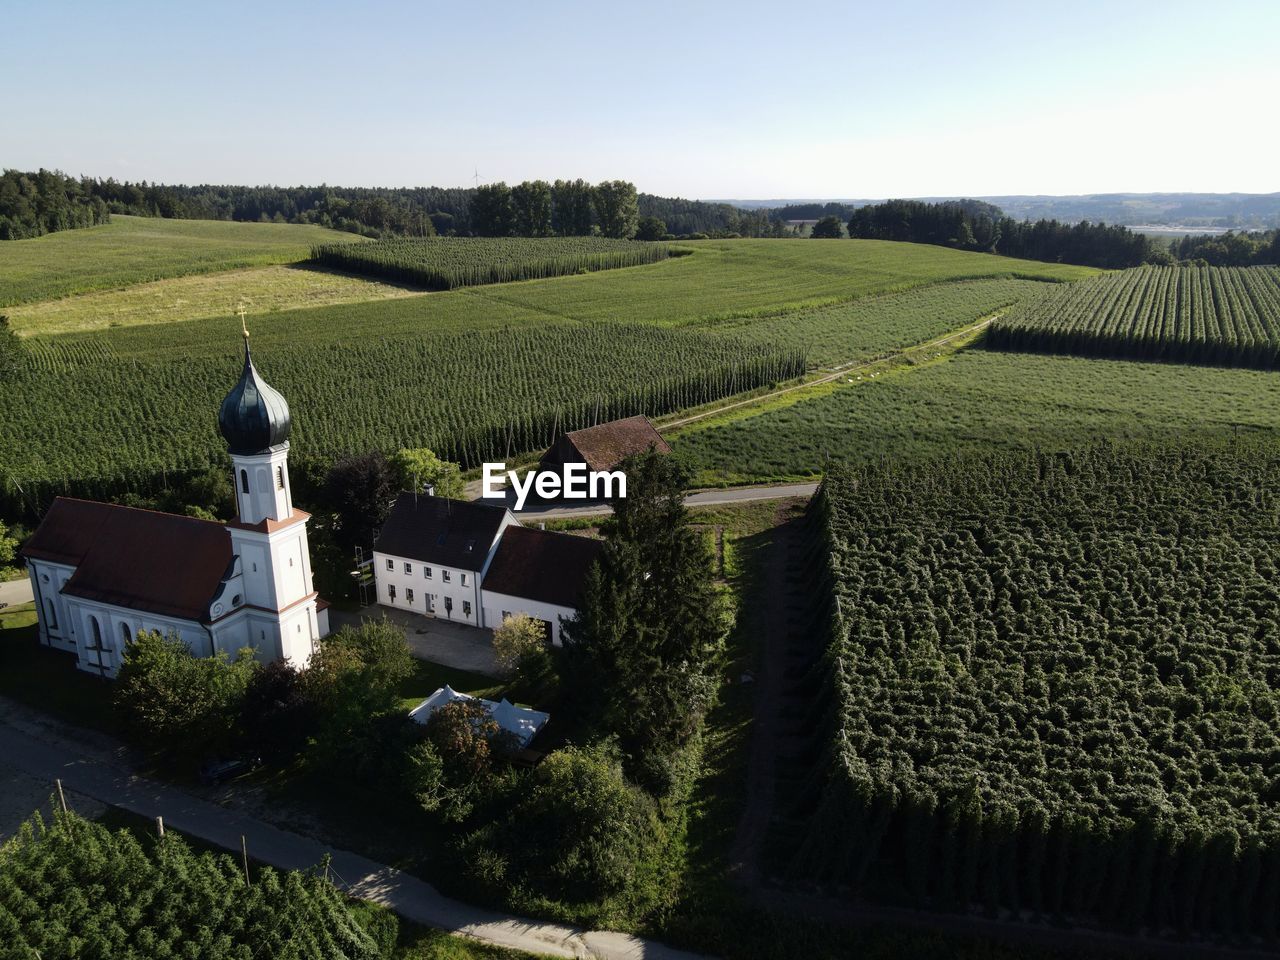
(200,297)
(443,263)
(1052,687)
(131,250)
(982,399)
(731,279)
(874,326)
(1225,316)
(89,420)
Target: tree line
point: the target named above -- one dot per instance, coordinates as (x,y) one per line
(975,225)
(32,204)
(1231,249)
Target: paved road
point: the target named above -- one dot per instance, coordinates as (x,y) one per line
(47,755)
(15,592)
(702,498)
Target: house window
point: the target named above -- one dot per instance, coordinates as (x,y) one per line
(280,478)
(391,564)
(244,481)
(464,579)
(408,568)
(448,604)
(466,608)
(408,597)
(431,603)
(426,572)
(391,593)
(446,576)
(506,615)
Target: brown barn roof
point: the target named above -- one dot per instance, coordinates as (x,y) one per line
(451,533)
(160,562)
(604,446)
(540,565)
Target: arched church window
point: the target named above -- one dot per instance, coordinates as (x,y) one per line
(125,633)
(97,632)
(53,616)
(244,481)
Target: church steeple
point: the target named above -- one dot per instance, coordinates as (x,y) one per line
(253,418)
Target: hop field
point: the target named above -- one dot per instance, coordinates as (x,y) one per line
(81,418)
(443,263)
(1226,316)
(1053,685)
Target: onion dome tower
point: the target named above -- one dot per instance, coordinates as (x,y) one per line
(254,420)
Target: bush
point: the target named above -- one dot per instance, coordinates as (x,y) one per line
(180,705)
(456,761)
(574,831)
(520,645)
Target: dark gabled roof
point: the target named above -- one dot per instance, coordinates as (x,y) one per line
(604,446)
(540,565)
(451,533)
(140,559)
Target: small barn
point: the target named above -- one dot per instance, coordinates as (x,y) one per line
(605,445)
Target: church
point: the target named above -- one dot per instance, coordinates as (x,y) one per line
(101,572)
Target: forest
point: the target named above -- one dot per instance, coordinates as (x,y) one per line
(32,204)
(1052,686)
(1231,249)
(974,225)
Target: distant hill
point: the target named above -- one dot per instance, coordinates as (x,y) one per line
(1236,210)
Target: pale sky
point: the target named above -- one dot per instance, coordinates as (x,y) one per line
(706,100)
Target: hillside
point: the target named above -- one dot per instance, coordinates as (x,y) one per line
(131,250)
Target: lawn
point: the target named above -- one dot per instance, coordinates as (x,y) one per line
(261,290)
(982,399)
(131,250)
(47,679)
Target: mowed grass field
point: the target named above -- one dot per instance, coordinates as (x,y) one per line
(982,399)
(262,290)
(131,250)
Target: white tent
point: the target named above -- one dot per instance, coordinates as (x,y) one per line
(521,722)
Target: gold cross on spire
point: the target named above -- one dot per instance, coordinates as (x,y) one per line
(243,327)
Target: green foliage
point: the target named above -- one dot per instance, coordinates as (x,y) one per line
(180,705)
(8,546)
(353,680)
(455,763)
(531,208)
(650,228)
(419,468)
(576,832)
(982,399)
(72,424)
(75,889)
(617,209)
(639,653)
(443,263)
(1053,684)
(491,212)
(33,204)
(571,209)
(1225,316)
(828,228)
(518,642)
(132,250)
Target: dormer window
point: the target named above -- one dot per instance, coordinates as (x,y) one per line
(471,545)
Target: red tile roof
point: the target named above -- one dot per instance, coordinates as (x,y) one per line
(140,559)
(540,565)
(604,446)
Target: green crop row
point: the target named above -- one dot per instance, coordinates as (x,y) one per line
(443,263)
(1227,316)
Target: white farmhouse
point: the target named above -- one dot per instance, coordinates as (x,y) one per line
(473,563)
(102,572)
